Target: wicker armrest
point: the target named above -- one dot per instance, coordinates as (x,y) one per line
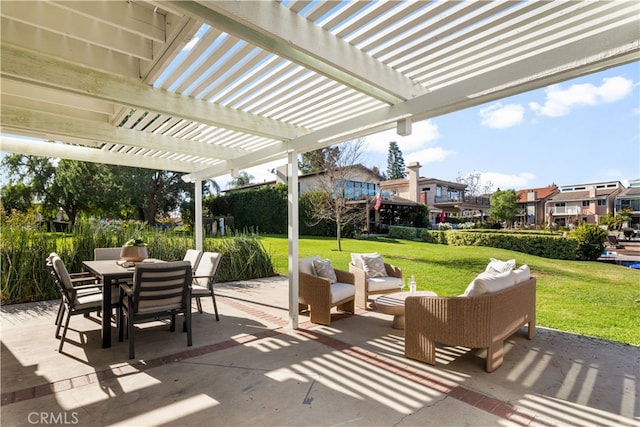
(345,276)
(392,270)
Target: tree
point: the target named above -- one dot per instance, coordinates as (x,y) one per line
(332,201)
(72,185)
(504,206)
(623,216)
(474,185)
(318,160)
(241,180)
(395,162)
(83,188)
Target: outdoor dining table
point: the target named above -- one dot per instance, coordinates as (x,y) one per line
(110,274)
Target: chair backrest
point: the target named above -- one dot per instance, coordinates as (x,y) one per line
(62,277)
(101,254)
(305,265)
(160,287)
(193,256)
(207,268)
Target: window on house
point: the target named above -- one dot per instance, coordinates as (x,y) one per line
(585,203)
(602,202)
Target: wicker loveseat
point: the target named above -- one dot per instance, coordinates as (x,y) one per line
(482,321)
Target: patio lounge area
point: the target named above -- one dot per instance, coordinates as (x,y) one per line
(251,369)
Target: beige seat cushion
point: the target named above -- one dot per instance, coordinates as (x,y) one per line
(384,283)
(340,291)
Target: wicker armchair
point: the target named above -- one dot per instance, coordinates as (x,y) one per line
(482,321)
(366,285)
(318,295)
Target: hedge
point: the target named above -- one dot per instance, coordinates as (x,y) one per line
(544,245)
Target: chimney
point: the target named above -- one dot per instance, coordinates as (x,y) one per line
(413,173)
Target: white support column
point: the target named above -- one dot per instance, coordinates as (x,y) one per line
(292,202)
(198,223)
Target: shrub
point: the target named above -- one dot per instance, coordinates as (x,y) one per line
(402,232)
(544,245)
(25,277)
(591,240)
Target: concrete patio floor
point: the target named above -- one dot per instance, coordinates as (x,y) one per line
(250,369)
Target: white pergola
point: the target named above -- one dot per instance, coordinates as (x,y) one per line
(213,87)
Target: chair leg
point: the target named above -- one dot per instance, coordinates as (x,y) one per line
(215,306)
(120,322)
(59,324)
(172,328)
(64,331)
(199,304)
(187,322)
(59,315)
(132,351)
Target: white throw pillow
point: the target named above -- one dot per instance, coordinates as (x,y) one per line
(496,266)
(374,266)
(522,273)
(486,283)
(356,259)
(325,269)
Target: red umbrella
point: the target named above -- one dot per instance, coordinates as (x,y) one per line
(441,216)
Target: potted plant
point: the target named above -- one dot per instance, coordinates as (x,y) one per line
(134,250)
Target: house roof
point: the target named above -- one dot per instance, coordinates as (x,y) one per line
(630,192)
(541,193)
(401,182)
(212,87)
(583,195)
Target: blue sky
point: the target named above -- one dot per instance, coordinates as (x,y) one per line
(576,132)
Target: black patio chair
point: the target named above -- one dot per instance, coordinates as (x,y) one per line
(159,290)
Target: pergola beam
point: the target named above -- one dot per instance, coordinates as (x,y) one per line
(46,71)
(280,31)
(94,155)
(32,121)
(535,72)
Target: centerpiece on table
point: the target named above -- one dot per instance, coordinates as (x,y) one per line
(134,250)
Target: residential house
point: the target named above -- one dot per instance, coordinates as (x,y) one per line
(630,199)
(573,204)
(444,199)
(532,205)
(361,187)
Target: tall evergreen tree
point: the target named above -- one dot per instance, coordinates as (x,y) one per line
(395,162)
(318,160)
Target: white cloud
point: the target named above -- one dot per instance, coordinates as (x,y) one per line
(428,155)
(500,116)
(422,133)
(560,101)
(506,181)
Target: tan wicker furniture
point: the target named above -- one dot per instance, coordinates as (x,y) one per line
(483,321)
(318,295)
(394,304)
(367,286)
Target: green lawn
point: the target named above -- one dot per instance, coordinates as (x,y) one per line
(587,298)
